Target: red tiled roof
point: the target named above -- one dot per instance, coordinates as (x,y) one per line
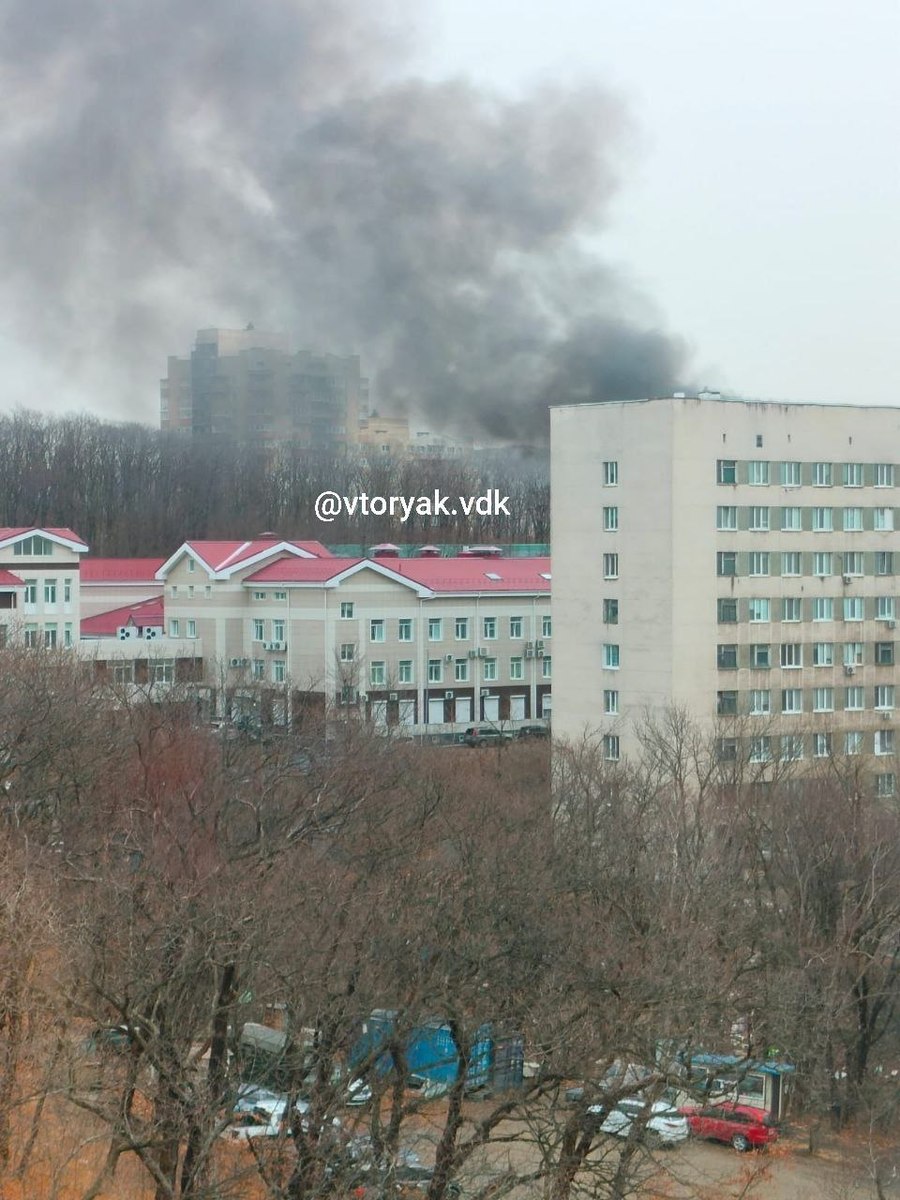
(219,556)
(147,612)
(302,570)
(9,580)
(120,570)
(68,534)
(475,574)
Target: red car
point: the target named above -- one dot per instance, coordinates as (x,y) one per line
(740,1124)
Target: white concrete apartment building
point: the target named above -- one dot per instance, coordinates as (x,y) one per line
(735,558)
(39,592)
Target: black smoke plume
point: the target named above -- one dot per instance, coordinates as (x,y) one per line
(171,166)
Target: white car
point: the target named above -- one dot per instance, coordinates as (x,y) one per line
(260,1113)
(664,1126)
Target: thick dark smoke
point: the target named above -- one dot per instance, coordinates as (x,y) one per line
(171,166)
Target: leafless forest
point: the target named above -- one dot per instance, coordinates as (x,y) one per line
(163,879)
(130,490)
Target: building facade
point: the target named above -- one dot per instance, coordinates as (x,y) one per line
(248,385)
(736,559)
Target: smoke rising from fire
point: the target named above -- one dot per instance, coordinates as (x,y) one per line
(180,166)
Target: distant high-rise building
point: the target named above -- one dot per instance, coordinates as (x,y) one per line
(249,385)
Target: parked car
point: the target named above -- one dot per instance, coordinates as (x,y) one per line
(259,1112)
(741,1125)
(662,1126)
(486,735)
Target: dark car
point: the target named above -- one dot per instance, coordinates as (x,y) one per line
(741,1125)
(486,735)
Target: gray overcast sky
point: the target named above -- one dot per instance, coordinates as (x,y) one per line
(760,204)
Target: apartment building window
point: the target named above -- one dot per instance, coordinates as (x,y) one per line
(174,590)
(50,637)
(405,630)
(726,704)
(854,699)
(823,654)
(884,474)
(435,629)
(758,473)
(823,699)
(611,703)
(278,628)
(489,629)
(33,547)
(760,656)
(190,591)
(190,566)
(377,674)
(611,656)
(792,701)
(822,475)
(516,668)
(726,657)
(823,520)
(884,741)
(163,671)
(884,654)
(884,608)
(726,563)
(174,628)
(515,627)
(854,608)
(883,519)
(259,668)
(791,747)
(49,591)
(726,518)
(885,786)
(791,520)
(853,520)
(884,696)
(611,519)
(760,702)
(67,635)
(884,562)
(279,670)
(610,612)
(823,608)
(759,519)
(275,595)
(259,630)
(547,667)
(726,611)
(791,655)
(823,563)
(207,593)
(790,474)
(760,750)
(31,636)
(348,651)
(853,654)
(853,742)
(853,562)
(191,627)
(821,745)
(546,627)
(759,609)
(610,474)
(67,591)
(791,609)
(758,562)
(123,673)
(405,670)
(461,670)
(610,566)
(726,471)
(489,670)
(376,630)
(346,610)
(853,475)
(461,629)
(790,562)
(611,747)
(259,595)
(726,749)
(435,670)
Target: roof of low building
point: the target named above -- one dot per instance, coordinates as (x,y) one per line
(143,614)
(121,570)
(10,580)
(439,575)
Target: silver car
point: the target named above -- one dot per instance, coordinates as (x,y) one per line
(662,1126)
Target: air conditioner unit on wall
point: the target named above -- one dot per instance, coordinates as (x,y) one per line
(278,645)
(892,624)
(448,658)
(393,696)
(448,695)
(235,662)
(473,654)
(482,651)
(846,578)
(848,670)
(485,691)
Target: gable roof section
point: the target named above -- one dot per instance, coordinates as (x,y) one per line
(146,612)
(120,570)
(326,573)
(221,559)
(462,576)
(8,581)
(64,537)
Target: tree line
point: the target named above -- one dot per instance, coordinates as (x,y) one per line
(131,490)
(164,883)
